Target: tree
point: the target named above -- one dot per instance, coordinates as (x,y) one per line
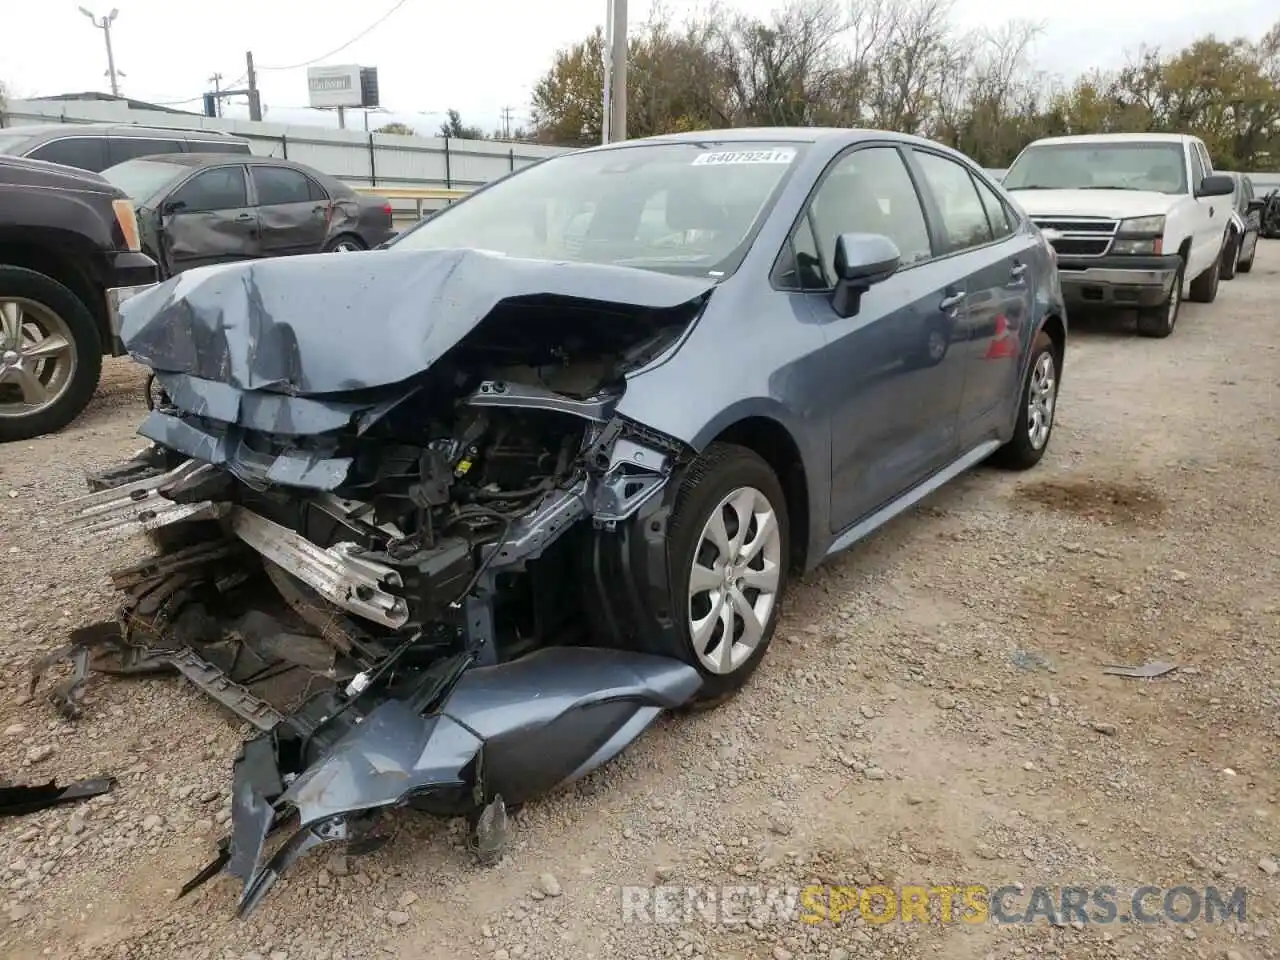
(402,129)
(454,127)
(902,65)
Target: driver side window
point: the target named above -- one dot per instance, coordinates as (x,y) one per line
(222,188)
(865,191)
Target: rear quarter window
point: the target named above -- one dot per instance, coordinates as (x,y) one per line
(86,153)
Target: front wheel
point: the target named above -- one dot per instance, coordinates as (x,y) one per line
(50,355)
(1204,288)
(1159,321)
(728,548)
(1038,403)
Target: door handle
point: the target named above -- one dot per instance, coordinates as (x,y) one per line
(244,218)
(1017,270)
(953,300)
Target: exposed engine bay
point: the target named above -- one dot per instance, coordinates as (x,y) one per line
(448,593)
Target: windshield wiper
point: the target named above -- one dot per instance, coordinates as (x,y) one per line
(1108,188)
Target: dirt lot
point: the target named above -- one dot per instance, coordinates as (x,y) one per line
(934,711)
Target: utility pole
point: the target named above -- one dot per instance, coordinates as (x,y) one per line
(216,80)
(618,86)
(255,101)
(105,26)
(606,65)
(506,123)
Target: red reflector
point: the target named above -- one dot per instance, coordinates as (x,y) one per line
(387,209)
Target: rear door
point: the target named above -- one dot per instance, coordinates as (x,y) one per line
(899,383)
(983,247)
(208,219)
(293,210)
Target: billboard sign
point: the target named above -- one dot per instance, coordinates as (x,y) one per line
(329,87)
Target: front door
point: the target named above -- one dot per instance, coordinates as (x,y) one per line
(900,373)
(208,220)
(293,211)
(978,230)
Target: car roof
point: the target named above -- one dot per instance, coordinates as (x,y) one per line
(42,130)
(830,136)
(1117,138)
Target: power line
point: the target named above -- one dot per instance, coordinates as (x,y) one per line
(358,36)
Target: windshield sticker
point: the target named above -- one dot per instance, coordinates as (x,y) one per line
(744,156)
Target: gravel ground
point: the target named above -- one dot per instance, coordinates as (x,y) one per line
(934,711)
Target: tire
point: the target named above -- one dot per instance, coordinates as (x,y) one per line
(1159,321)
(723,477)
(1204,288)
(1230,256)
(48,309)
(1027,446)
(1244,266)
(344,243)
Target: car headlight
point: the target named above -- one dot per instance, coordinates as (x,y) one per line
(1142,226)
(127,219)
(1150,247)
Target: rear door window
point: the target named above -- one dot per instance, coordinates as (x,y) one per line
(86,153)
(964,217)
(216,146)
(276,185)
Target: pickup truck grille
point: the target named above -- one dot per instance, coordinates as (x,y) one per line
(1079,236)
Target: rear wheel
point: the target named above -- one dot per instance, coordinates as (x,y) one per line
(50,355)
(728,547)
(344,244)
(1037,406)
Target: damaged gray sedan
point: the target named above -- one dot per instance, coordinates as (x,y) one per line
(453,522)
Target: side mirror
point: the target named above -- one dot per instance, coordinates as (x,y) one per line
(862,260)
(1216,185)
(1256,205)
(173,206)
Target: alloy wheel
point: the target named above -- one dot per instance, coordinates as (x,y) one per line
(1041,398)
(734,580)
(37,357)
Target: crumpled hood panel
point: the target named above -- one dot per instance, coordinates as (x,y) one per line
(327,323)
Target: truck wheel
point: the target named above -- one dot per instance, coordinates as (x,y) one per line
(1246,265)
(50,355)
(1230,254)
(1204,288)
(1158,321)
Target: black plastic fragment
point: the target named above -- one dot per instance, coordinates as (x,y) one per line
(18,800)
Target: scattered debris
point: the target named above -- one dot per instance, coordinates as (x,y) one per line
(16,800)
(1148,671)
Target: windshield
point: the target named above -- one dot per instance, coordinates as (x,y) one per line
(10,142)
(1157,167)
(140,179)
(679,207)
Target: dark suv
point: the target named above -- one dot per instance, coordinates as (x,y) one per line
(96,146)
(68,240)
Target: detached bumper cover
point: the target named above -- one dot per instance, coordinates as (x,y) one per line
(515,731)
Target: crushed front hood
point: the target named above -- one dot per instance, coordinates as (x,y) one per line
(325,324)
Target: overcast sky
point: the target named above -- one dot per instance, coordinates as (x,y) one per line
(478,56)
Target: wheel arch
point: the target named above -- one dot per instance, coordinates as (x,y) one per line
(774,443)
(63,257)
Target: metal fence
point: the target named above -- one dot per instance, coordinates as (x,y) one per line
(359,158)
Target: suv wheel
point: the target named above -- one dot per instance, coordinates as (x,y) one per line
(50,355)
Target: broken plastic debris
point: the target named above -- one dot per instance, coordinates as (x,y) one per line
(1148,671)
(16,800)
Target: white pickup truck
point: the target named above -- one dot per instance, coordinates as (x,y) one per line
(1131,217)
